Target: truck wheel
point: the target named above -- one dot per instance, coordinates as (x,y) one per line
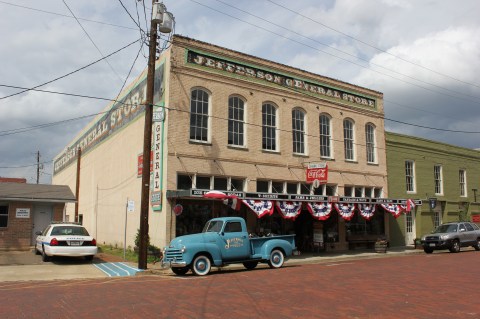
(180,270)
(276,259)
(201,265)
(250,264)
(428,250)
(455,246)
(477,244)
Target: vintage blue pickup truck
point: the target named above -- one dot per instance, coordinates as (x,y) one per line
(225,241)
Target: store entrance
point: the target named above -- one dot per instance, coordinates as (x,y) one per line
(304,231)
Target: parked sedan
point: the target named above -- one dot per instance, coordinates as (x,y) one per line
(65,239)
(452,236)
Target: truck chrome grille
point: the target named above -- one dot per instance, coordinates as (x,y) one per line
(173,254)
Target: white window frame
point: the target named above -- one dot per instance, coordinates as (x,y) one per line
(371,145)
(270,128)
(325,135)
(192,114)
(299,131)
(236,124)
(462,179)
(349,140)
(438,178)
(410,176)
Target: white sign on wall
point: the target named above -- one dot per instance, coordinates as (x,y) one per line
(22,213)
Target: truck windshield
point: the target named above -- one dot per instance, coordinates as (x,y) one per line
(452,228)
(213,226)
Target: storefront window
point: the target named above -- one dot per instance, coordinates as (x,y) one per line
(330,227)
(262,186)
(3,215)
(360,226)
(193,218)
(277,187)
(220,183)
(184,182)
(203,182)
(304,188)
(291,188)
(236,185)
(331,190)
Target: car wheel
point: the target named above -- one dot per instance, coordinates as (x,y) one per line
(455,246)
(276,259)
(180,270)
(45,258)
(89,258)
(477,244)
(201,265)
(250,264)
(428,250)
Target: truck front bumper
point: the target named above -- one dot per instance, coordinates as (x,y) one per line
(173,263)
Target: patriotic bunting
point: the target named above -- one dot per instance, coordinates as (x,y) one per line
(394,209)
(346,210)
(366,210)
(288,209)
(320,210)
(233,202)
(260,207)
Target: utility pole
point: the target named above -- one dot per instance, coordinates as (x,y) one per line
(147,146)
(77,190)
(38,166)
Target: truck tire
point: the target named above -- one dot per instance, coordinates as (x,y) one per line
(455,246)
(45,257)
(201,265)
(276,259)
(250,264)
(180,270)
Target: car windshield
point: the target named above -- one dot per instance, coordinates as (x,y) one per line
(213,226)
(449,228)
(69,230)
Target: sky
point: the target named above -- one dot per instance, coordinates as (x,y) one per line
(423,55)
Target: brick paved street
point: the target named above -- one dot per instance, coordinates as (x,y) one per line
(441,285)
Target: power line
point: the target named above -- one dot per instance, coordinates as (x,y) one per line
(372,46)
(67,16)
(93,42)
(70,73)
(341,58)
(126,10)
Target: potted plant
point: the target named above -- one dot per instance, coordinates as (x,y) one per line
(381,245)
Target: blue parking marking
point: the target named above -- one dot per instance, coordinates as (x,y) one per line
(117,269)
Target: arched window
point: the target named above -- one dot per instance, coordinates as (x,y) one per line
(370,142)
(269,127)
(236,121)
(199,111)
(348,140)
(325,136)
(298,131)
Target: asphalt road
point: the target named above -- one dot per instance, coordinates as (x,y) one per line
(440,285)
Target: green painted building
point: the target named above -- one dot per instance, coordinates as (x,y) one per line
(445,177)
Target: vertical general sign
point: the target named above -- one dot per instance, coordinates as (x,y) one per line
(156,195)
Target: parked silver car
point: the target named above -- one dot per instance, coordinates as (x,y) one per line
(452,236)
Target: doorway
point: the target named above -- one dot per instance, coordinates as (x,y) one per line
(410,233)
(42,217)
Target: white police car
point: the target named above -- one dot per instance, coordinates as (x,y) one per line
(65,239)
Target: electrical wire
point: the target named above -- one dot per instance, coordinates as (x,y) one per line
(93,42)
(70,73)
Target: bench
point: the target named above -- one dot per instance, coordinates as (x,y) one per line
(354,243)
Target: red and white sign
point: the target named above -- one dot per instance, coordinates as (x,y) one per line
(475,218)
(140,164)
(317,171)
(178,210)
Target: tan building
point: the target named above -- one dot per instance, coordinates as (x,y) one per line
(244,126)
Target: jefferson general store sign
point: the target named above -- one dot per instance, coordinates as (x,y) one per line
(286,81)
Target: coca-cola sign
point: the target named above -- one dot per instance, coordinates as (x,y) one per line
(317,171)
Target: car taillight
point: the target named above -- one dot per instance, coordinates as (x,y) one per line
(54,242)
(94,242)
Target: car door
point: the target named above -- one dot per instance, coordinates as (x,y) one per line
(41,238)
(235,244)
(462,234)
(470,233)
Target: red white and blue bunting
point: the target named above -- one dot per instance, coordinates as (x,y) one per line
(289,209)
(409,205)
(259,207)
(366,210)
(394,209)
(346,210)
(233,202)
(320,210)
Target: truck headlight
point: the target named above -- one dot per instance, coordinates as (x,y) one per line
(183,249)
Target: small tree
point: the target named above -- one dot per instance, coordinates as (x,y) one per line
(137,239)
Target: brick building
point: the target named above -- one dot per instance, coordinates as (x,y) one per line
(247,127)
(28,208)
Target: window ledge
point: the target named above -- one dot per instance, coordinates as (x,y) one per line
(271,152)
(300,155)
(373,164)
(238,147)
(200,143)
